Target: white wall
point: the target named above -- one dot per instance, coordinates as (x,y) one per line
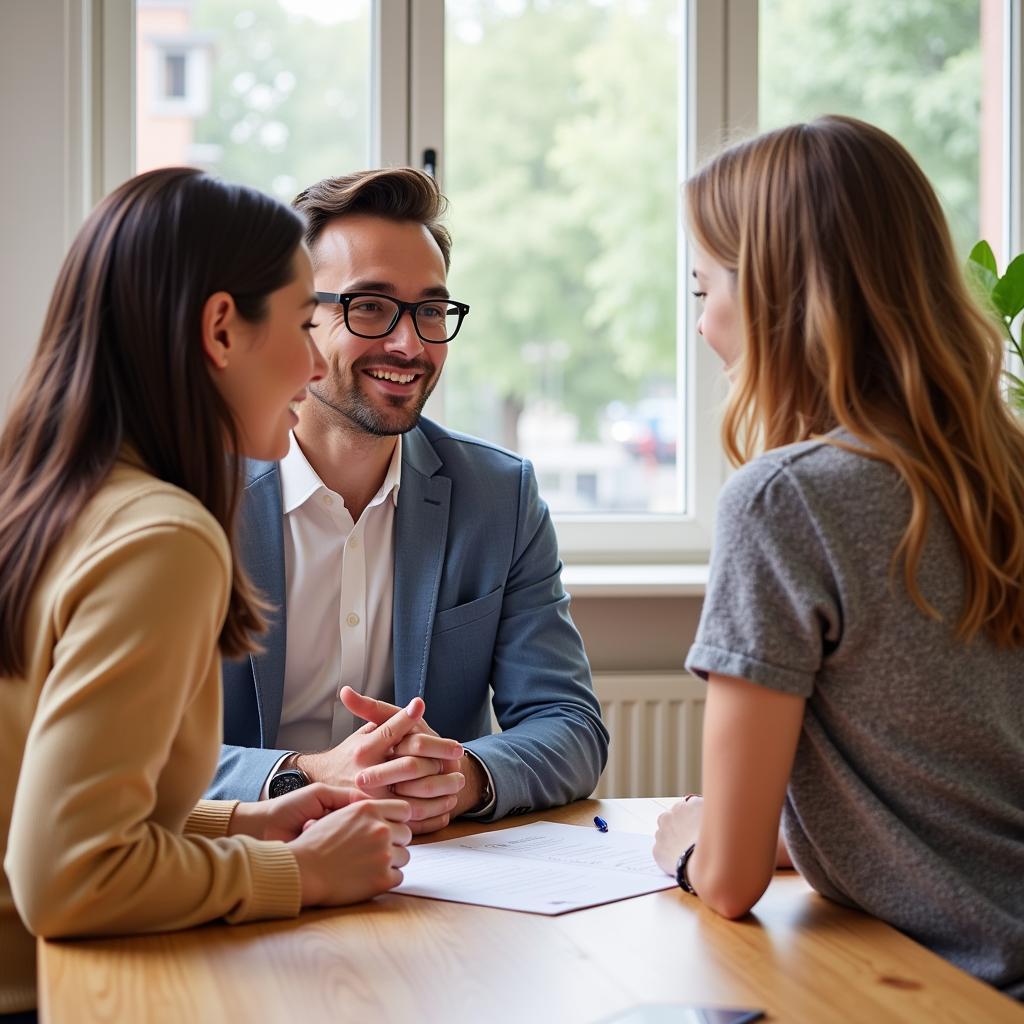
(35,219)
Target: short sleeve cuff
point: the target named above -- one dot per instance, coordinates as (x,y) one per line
(703,660)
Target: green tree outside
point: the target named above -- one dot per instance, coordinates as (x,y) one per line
(913,68)
(561,165)
(290,96)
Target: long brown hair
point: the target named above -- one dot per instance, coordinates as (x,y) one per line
(395,193)
(120,363)
(857,315)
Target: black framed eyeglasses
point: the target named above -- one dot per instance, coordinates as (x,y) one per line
(372,315)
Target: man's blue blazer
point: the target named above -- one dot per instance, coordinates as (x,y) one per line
(478,607)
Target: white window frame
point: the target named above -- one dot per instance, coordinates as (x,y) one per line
(1013,126)
(720,66)
(390,91)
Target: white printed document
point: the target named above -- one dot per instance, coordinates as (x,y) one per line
(544,868)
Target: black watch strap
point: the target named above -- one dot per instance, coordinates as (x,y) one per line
(681,880)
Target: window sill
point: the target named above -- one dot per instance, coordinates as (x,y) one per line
(635,580)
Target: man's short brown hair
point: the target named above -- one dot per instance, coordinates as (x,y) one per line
(396,193)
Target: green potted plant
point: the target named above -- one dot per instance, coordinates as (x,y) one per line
(1005,297)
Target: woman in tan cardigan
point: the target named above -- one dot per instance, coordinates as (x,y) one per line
(177,340)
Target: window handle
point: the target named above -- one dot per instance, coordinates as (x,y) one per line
(430,162)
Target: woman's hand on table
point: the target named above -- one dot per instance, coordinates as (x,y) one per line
(353,853)
(677,829)
(348,846)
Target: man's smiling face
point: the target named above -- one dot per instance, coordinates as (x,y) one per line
(378,385)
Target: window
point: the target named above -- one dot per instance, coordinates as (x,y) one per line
(562,166)
(176,73)
(174,76)
(273,93)
(560,131)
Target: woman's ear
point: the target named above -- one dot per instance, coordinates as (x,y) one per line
(219,321)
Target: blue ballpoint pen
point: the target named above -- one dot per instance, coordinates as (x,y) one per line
(602,825)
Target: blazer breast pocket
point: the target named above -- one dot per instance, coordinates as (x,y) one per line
(472,611)
(461,663)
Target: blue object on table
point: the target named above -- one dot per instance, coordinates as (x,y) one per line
(601,824)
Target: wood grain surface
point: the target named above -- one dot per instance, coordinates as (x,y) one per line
(403,959)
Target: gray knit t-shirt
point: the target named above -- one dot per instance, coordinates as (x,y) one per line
(907,794)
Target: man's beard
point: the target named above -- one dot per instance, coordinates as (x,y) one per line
(352,403)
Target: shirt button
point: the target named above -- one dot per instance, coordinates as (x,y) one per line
(353,542)
(328,500)
(352,619)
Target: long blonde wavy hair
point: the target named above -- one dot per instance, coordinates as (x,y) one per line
(856,314)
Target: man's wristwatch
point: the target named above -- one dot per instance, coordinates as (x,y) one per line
(681,880)
(286,780)
(486,794)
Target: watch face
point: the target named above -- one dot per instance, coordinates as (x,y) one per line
(285,782)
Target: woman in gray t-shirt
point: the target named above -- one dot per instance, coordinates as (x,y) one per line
(863,630)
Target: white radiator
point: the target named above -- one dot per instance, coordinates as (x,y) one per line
(655,720)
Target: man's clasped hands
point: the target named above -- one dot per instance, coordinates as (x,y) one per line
(391,779)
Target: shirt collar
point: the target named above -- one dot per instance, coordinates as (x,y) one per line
(393,477)
(299,481)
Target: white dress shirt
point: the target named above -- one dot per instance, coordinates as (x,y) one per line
(339,586)
(339,579)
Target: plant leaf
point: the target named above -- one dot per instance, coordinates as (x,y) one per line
(982,274)
(982,282)
(1008,294)
(983,255)
(1015,396)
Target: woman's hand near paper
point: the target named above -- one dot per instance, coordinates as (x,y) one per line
(353,853)
(677,828)
(348,846)
(750,739)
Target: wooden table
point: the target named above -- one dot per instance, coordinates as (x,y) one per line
(403,959)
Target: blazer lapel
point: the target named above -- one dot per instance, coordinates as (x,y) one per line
(421,531)
(263,556)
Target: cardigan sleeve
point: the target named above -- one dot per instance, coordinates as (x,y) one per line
(210,818)
(117,754)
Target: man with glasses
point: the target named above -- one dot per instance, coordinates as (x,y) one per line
(401,559)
